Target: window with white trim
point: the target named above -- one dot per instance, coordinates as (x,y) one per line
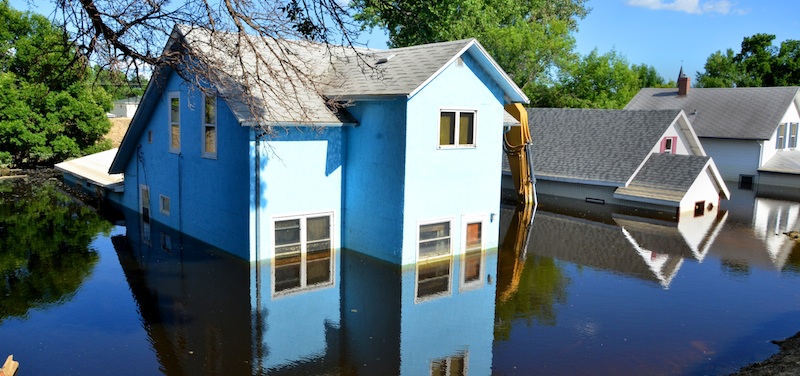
(174,104)
(163,204)
(472,260)
(780,141)
(303,253)
(669,145)
(793,135)
(455,365)
(209,126)
(434,260)
(456,128)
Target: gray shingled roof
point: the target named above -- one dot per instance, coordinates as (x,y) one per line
(738,113)
(596,146)
(784,161)
(666,177)
(404,71)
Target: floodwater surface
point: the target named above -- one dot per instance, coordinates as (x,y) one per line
(583,289)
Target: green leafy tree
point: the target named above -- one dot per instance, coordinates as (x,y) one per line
(45,252)
(530,39)
(598,81)
(48,112)
(758,63)
(117,83)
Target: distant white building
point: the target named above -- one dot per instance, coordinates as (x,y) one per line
(125,107)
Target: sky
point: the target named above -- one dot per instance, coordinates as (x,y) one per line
(665,34)
(669,33)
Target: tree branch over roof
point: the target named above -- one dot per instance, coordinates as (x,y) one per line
(270,53)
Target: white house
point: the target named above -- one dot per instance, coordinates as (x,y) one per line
(750,132)
(645,159)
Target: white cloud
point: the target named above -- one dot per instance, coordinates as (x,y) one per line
(688,6)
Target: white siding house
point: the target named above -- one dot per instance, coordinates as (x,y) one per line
(645,159)
(751,133)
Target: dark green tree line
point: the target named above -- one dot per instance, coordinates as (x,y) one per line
(48,111)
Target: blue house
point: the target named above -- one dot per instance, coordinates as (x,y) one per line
(405,168)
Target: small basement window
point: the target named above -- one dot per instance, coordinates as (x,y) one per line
(746,182)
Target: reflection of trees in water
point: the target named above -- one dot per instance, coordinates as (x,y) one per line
(540,285)
(44,246)
(793,263)
(736,269)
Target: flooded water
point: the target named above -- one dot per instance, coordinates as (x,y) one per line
(583,289)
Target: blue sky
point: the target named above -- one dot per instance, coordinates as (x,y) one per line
(664,33)
(661,33)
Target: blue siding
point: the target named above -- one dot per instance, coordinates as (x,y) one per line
(208,197)
(301,174)
(449,183)
(374,179)
(297,326)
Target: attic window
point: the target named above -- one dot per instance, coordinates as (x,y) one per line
(384,59)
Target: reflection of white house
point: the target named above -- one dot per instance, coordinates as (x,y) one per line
(619,240)
(646,159)
(750,132)
(771,218)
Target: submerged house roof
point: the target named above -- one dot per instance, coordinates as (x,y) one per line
(322,76)
(652,182)
(750,113)
(604,147)
(615,148)
(94,168)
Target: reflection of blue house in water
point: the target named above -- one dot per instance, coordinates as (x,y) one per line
(209,313)
(408,170)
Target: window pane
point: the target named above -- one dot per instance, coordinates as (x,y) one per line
(433,278)
(472,266)
(175,136)
(287,232)
(780,144)
(434,230)
(211,110)
(447,128)
(318,265)
(318,228)
(211,139)
(466,128)
(457,366)
(175,110)
(793,135)
(474,236)
(430,248)
(287,273)
(434,239)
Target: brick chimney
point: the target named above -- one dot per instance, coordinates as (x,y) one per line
(683,83)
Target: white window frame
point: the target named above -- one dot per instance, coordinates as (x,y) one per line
(456,131)
(793,135)
(163,204)
(145,218)
(466,220)
(440,258)
(205,153)
(173,124)
(780,140)
(448,361)
(304,287)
